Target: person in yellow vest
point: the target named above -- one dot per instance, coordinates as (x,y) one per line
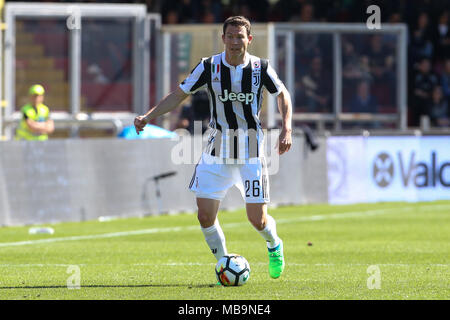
(36,123)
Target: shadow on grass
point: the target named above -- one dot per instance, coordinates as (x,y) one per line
(199,286)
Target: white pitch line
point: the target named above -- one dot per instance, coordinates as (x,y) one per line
(342,215)
(178,264)
(98,236)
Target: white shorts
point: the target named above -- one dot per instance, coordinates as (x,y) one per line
(213,177)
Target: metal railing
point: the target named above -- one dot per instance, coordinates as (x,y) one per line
(141,32)
(336,30)
(203,40)
(65,120)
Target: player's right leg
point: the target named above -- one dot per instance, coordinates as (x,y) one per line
(207,216)
(210,183)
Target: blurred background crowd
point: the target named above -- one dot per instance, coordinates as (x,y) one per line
(368,62)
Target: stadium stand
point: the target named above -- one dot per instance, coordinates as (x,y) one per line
(429,34)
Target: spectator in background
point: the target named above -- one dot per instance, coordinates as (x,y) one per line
(172,17)
(442,38)
(381,60)
(36,123)
(445,80)
(364,101)
(198,110)
(439,111)
(208,17)
(395,17)
(186,12)
(390,40)
(281,11)
(210,11)
(257,11)
(308,45)
(421,44)
(174,12)
(317,88)
(306,13)
(245,10)
(353,68)
(423,85)
(153,5)
(260,9)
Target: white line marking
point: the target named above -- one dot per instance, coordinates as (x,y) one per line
(178,264)
(313,264)
(342,215)
(98,236)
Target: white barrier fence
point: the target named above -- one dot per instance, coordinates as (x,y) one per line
(76,180)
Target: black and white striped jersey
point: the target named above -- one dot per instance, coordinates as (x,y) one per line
(235,96)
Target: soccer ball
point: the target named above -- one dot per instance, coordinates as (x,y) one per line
(232,270)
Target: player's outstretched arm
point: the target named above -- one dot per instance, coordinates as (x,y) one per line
(285,108)
(167,104)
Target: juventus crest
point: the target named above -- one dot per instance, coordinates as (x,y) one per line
(256,79)
(256,73)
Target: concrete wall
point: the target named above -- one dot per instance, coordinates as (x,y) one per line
(75,180)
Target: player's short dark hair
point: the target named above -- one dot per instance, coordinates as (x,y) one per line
(237,21)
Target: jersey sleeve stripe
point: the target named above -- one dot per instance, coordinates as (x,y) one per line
(258,95)
(201,81)
(267,81)
(195,80)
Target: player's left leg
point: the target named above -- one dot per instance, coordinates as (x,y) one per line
(266,226)
(255,190)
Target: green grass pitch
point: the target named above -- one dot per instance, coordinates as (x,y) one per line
(166,257)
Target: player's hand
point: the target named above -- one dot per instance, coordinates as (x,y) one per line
(139,123)
(284,141)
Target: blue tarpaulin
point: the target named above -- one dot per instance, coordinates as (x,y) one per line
(150,132)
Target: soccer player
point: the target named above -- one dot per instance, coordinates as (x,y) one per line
(234,80)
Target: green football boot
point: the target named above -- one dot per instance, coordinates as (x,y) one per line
(276,261)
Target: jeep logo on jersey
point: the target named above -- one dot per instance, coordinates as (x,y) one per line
(383,170)
(241,97)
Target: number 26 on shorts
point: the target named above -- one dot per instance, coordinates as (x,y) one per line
(254,186)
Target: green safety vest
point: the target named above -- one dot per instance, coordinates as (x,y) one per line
(40,113)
